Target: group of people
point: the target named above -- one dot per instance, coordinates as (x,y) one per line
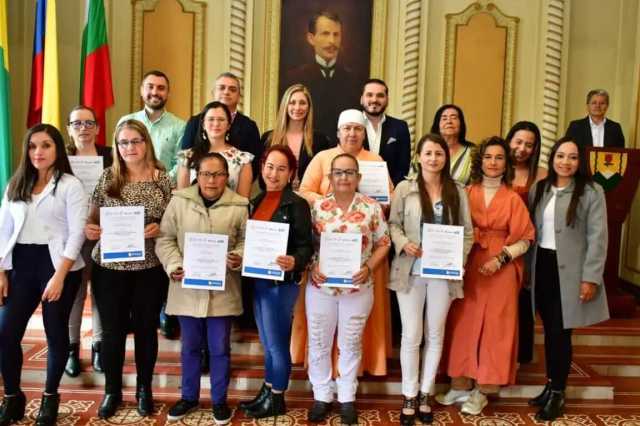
(543,229)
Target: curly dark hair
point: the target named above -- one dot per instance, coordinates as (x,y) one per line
(476,162)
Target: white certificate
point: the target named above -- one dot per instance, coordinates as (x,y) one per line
(340,258)
(88,169)
(205,261)
(264,242)
(122,238)
(442,251)
(375,180)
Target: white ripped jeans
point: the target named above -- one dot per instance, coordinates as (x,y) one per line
(348,313)
(434,293)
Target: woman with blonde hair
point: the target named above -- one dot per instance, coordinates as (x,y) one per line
(130,292)
(294,128)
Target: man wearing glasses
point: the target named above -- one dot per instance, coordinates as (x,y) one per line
(165,128)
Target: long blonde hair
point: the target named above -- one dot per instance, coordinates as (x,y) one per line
(119,167)
(279,134)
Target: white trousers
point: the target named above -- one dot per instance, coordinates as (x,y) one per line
(348,313)
(433,293)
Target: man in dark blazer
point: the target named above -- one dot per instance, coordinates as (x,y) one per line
(243,134)
(595,129)
(332,85)
(386,136)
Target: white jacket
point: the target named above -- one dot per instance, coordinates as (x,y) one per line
(64,216)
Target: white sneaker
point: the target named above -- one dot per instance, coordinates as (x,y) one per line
(453,396)
(474,405)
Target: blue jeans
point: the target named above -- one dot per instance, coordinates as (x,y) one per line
(32,269)
(273,308)
(216,331)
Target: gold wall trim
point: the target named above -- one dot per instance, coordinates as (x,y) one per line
(197,7)
(411,75)
(554,52)
(240,25)
(510,23)
(271,48)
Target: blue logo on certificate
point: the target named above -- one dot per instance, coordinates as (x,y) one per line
(205,284)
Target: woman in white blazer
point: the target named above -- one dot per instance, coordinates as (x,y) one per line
(42,220)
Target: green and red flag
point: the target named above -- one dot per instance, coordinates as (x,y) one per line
(96,89)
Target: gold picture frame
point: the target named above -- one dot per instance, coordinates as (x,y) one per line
(271,71)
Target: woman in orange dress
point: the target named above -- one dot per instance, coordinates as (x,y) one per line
(376,345)
(483,326)
(524,143)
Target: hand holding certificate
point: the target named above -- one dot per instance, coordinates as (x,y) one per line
(442,251)
(264,242)
(205,261)
(375,180)
(340,258)
(122,237)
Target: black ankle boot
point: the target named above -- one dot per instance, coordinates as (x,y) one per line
(12,408)
(542,398)
(250,405)
(73,362)
(554,407)
(272,405)
(48,413)
(109,405)
(96,357)
(145,401)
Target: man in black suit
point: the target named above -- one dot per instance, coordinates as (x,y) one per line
(332,85)
(387,136)
(243,134)
(595,129)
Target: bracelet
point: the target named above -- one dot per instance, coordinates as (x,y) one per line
(503,258)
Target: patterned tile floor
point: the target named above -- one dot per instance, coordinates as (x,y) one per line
(79,408)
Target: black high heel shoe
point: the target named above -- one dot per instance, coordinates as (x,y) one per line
(541,399)
(48,413)
(12,408)
(409,404)
(250,405)
(109,405)
(554,407)
(424,416)
(145,401)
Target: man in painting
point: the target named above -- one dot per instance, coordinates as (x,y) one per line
(332,85)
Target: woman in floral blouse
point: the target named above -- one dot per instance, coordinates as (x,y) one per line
(345,211)
(214,137)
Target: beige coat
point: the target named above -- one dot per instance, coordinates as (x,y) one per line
(405,225)
(186,213)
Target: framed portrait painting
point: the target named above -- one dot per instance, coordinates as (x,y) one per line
(329,46)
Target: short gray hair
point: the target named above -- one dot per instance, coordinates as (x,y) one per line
(598,92)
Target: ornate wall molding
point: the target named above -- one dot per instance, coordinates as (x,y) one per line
(197,8)
(554,23)
(240,24)
(411,64)
(510,23)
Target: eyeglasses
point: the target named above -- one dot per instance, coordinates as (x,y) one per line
(214,175)
(338,173)
(126,143)
(78,124)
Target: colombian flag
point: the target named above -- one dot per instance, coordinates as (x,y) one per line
(96,90)
(5,116)
(44,102)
